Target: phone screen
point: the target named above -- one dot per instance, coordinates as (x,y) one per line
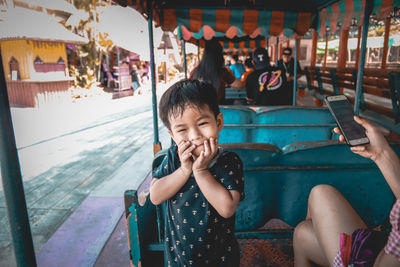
(344,116)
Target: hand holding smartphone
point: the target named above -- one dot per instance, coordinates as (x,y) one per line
(342,111)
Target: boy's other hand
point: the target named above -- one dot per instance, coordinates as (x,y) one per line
(185,149)
(205,157)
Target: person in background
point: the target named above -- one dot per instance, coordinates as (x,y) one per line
(249,68)
(266,85)
(236,67)
(135,78)
(211,70)
(333,234)
(287,64)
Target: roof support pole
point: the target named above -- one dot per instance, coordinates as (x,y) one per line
(184,57)
(12,183)
(363,50)
(298,49)
(386,42)
(342,57)
(296,52)
(314,48)
(358,46)
(277,50)
(156,144)
(326,48)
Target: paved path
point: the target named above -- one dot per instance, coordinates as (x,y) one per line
(66,154)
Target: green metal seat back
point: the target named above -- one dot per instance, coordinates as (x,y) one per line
(293,115)
(237,114)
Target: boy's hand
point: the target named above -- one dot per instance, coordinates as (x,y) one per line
(185,156)
(210,150)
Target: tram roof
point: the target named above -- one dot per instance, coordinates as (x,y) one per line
(272,5)
(258,17)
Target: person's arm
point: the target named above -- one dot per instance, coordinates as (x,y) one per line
(223,200)
(164,188)
(238,84)
(381,153)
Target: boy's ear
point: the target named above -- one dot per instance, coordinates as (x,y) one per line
(171,134)
(220,121)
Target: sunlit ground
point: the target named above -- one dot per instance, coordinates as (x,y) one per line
(53,127)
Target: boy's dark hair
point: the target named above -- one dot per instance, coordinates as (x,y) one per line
(187,92)
(236,58)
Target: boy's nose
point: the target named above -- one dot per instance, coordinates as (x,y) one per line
(195,135)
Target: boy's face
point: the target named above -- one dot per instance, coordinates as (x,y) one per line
(195,125)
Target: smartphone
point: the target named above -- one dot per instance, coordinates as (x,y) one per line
(342,111)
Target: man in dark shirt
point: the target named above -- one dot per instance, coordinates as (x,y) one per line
(287,64)
(267,86)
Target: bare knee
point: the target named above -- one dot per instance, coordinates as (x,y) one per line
(321,192)
(303,243)
(320,196)
(300,233)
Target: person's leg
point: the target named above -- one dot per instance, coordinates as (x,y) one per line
(306,247)
(330,214)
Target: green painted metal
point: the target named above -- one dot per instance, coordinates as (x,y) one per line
(184,57)
(363,50)
(394,83)
(12,183)
(335,83)
(308,78)
(296,50)
(278,126)
(319,81)
(153,72)
(362,99)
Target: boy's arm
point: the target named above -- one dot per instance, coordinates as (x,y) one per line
(166,187)
(224,201)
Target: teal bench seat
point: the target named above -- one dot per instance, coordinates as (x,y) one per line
(277,185)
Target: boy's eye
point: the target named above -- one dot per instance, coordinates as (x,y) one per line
(203,123)
(181,130)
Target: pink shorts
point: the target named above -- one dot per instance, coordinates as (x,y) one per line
(362,248)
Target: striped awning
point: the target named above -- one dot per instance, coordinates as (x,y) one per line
(237,45)
(344,11)
(235,22)
(232,22)
(244,47)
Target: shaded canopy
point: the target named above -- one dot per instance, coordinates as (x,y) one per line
(344,11)
(235,17)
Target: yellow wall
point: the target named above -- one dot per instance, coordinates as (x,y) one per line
(25,52)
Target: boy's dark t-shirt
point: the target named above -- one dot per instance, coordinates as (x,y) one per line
(195,234)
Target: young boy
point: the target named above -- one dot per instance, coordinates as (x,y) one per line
(201,184)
